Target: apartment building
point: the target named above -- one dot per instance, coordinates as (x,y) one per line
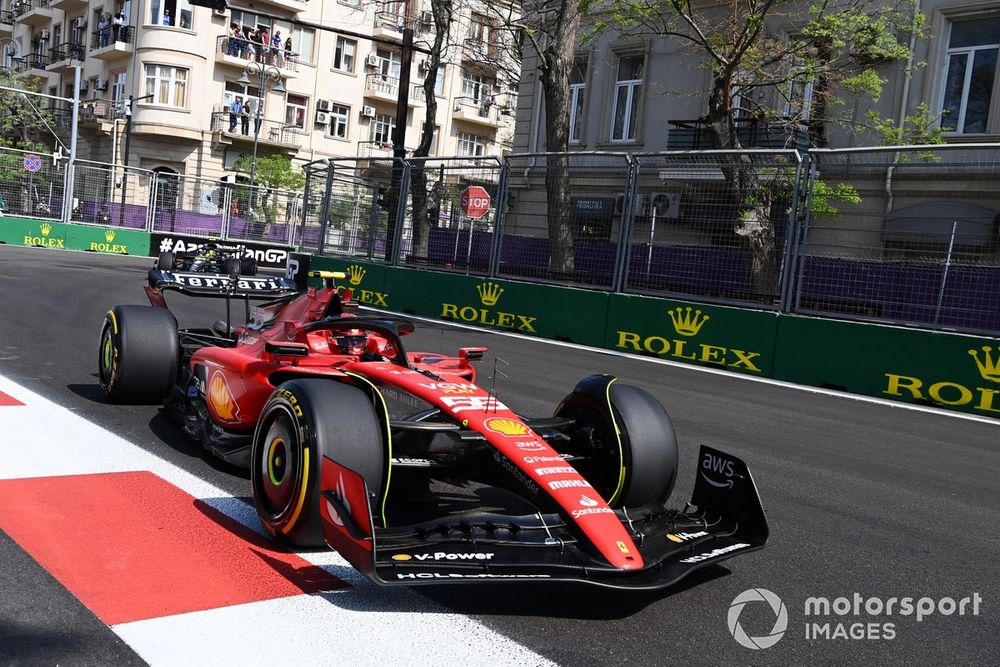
(647,94)
(324,94)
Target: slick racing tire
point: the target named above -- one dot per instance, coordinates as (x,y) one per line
(624,439)
(303,421)
(248,266)
(165,262)
(231,267)
(138,355)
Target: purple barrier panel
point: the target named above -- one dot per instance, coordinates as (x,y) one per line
(689,269)
(972,298)
(188,222)
(594,261)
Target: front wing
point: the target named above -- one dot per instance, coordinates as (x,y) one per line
(724,519)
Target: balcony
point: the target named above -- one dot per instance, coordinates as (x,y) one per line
(237,53)
(226,132)
(385,88)
(112,42)
(389,24)
(32,12)
(36,63)
(480,111)
(480,55)
(291,5)
(690,135)
(63,57)
(68,5)
(6,22)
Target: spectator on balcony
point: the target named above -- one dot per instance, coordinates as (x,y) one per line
(104,29)
(234,45)
(253,44)
(235,111)
(245,116)
(276,47)
(118,24)
(265,45)
(167,18)
(288,50)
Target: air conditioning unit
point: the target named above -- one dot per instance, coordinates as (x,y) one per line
(372,60)
(367,111)
(322,118)
(665,205)
(84,85)
(218,12)
(426,17)
(102,85)
(422,66)
(80,23)
(44,35)
(323,105)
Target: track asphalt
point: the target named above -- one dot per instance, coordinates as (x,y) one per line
(861,497)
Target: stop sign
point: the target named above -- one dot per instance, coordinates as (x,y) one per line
(475,201)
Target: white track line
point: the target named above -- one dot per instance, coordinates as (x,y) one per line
(364,624)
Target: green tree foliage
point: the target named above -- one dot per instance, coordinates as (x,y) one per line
(273,171)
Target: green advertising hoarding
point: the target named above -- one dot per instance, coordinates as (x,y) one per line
(49,234)
(721,337)
(947,370)
(366,280)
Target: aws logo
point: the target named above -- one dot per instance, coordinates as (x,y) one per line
(355,275)
(109,236)
(44,241)
(947,392)
(687,323)
(489,295)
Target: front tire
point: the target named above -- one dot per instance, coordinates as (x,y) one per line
(625,441)
(303,421)
(139,354)
(248,266)
(165,262)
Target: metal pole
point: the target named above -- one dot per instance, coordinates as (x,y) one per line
(396,199)
(944,277)
(67,212)
(258,120)
(503,192)
(325,215)
(128,145)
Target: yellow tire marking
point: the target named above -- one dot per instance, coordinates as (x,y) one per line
(621,454)
(388,432)
(302,493)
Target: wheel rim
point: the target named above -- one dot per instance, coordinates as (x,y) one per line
(107,355)
(279,468)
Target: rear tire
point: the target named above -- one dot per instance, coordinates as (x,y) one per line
(303,421)
(139,354)
(165,262)
(632,465)
(231,266)
(248,266)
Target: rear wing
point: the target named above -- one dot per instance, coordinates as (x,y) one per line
(220,285)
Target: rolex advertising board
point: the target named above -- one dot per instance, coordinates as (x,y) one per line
(730,338)
(365,280)
(50,234)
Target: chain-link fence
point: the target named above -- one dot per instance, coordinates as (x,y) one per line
(115,196)
(31,184)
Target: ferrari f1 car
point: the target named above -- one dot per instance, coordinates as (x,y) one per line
(405,465)
(210,257)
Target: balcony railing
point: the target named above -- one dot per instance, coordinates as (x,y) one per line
(6,17)
(478,50)
(21,7)
(103,37)
(686,135)
(242,128)
(67,51)
(36,61)
(388,19)
(480,110)
(268,55)
(382,83)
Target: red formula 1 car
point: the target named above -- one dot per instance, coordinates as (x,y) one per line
(405,465)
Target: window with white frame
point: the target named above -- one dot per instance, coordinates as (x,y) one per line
(175,13)
(628,94)
(344,54)
(389,64)
(439,81)
(381,130)
(167,85)
(302,40)
(798,96)
(296,108)
(577,88)
(970,75)
(118,80)
(474,86)
(340,117)
(235,90)
(471,145)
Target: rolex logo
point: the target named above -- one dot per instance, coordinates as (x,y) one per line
(356,274)
(109,235)
(46,228)
(989,366)
(685,322)
(489,293)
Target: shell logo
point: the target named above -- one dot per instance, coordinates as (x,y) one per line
(221,398)
(402,557)
(506,426)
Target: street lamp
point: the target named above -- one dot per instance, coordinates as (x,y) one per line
(262,73)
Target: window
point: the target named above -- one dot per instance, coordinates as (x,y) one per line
(471,145)
(473,86)
(167,85)
(389,64)
(343,56)
(439,81)
(175,13)
(381,130)
(628,91)
(798,98)
(970,75)
(302,39)
(296,107)
(117,86)
(236,90)
(339,119)
(577,87)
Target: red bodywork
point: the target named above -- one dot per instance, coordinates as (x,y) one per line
(240,379)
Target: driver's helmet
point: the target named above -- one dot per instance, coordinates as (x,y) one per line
(351,341)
